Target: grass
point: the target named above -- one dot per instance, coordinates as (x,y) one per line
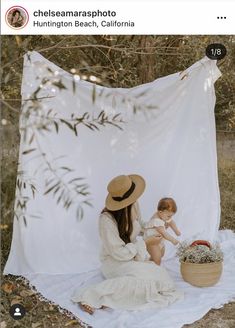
(41,314)
(227,193)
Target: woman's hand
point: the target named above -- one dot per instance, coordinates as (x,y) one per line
(153,240)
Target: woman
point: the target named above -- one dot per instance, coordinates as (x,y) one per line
(17,20)
(132,280)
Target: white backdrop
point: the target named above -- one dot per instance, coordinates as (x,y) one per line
(170,141)
(172,145)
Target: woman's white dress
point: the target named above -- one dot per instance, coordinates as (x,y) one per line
(132,280)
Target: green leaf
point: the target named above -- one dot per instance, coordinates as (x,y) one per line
(31,139)
(94,126)
(34,95)
(56,190)
(68,203)
(25,222)
(60,197)
(59,85)
(35,216)
(76,179)
(28,151)
(56,126)
(51,188)
(102,112)
(33,192)
(116,116)
(44,127)
(79,213)
(152,107)
(49,112)
(88,126)
(50,70)
(68,124)
(86,115)
(74,86)
(66,168)
(28,57)
(117,126)
(33,187)
(87,203)
(93,94)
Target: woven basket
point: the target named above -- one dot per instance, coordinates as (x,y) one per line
(201,274)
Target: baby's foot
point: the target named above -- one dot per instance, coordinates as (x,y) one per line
(86,308)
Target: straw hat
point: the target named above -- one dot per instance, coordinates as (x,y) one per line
(123,191)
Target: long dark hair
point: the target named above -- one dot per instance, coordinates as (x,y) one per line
(15,12)
(124,222)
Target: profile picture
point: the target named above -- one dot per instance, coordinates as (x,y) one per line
(17,17)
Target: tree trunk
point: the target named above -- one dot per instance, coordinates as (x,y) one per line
(146,66)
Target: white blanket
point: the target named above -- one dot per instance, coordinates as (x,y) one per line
(170,141)
(197,302)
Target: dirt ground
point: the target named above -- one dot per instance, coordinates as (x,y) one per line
(222,318)
(41,314)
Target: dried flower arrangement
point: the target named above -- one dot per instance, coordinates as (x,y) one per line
(199,253)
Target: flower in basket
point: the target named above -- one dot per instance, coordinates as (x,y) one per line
(199,251)
(200,262)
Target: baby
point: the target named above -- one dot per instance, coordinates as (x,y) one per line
(157,226)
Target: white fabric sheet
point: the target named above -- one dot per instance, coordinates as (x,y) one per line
(197,301)
(172,146)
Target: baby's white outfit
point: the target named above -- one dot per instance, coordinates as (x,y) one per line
(150,228)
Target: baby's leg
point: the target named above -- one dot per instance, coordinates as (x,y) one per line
(156,253)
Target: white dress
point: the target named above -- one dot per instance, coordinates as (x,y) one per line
(132,281)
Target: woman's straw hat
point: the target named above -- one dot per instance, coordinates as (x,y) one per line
(123,191)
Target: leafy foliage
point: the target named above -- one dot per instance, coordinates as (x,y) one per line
(66,189)
(25,190)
